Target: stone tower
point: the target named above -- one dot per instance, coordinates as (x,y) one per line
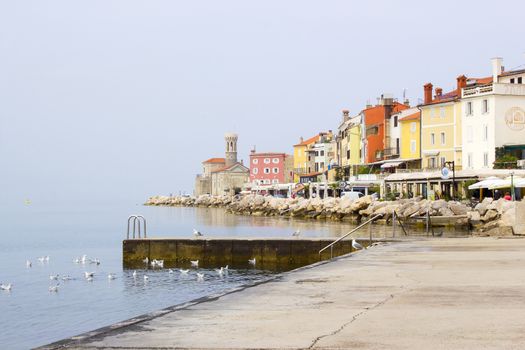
(231,148)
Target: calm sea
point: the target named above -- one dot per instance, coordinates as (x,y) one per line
(33,316)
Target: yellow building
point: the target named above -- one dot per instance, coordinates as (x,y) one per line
(302,161)
(441,127)
(410,138)
(349,143)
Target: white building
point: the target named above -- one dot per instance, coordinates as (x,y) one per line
(493,117)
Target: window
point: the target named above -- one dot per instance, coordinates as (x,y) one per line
(347,154)
(519,80)
(322,165)
(470,133)
(255,171)
(485,108)
(266,170)
(395,121)
(431,162)
(512,81)
(267,181)
(275,181)
(413,127)
(485,159)
(485,132)
(469,108)
(442,112)
(317,153)
(432,113)
(469,160)
(443,160)
(275,161)
(432,139)
(322,154)
(443,138)
(255,161)
(397,145)
(276,170)
(266,160)
(412,146)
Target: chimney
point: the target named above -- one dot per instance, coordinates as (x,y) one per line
(497,68)
(439,93)
(428,93)
(346,113)
(406,102)
(461,83)
(368,104)
(301,139)
(253,150)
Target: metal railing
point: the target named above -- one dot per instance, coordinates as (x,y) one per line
(369,221)
(136,225)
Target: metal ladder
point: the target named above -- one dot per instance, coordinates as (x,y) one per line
(136,225)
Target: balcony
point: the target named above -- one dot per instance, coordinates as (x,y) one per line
(499,89)
(391,152)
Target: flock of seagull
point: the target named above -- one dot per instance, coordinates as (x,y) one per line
(154,264)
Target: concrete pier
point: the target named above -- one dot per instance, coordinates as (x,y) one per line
(462,293)
(271,254)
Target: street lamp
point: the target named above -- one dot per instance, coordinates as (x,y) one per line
(512,192)
(452,165)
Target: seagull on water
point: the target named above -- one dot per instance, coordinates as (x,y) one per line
(197,233)
(94,261)
(89,279)
(184,272)
(157,263)
(83,259)
(54,288)
(89,274)
(200,276)
(220,271)
(296,233)
(194,263)
(356,245)
(7,287)
(146,278)
(28,264)
(170,271)
(135,274)
(251,261)
(111,276)
(146,260)
(41,259)
(54,277)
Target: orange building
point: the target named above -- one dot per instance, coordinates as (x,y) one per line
(376,120)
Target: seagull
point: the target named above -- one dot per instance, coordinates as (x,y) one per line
(194,263)
(28,264)
(54,288)
(157,263)
(135,274)
(53,277)
(184,272)
(46,258)
(94,261)
(220,271)
(251,261)
(170,271)
(41,259)
(83,259)
(111,276)
(146,278)
(197,233)
(226,267)
(89,274)
(77,260)
(89,279)
(200,276)
(296,233)
(6,286)
(146,260)
(356,245)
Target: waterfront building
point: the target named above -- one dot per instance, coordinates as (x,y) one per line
(349,143)
(312,156)
(493,118)
(441,138)
(223,175)
(377,138)
(270,168)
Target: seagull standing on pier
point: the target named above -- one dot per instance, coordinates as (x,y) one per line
(197,233)
(356,245)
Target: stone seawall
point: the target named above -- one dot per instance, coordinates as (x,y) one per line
(490,217)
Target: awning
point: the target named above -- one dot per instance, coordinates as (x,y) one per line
(391,165)
(430,153)
(507,183)
(484,183)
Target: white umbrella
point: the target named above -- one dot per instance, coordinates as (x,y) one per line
(519,183)
(506,183)
(484,183)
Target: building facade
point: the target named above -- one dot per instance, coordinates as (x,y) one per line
(493,117)
(410,136)
(271,168)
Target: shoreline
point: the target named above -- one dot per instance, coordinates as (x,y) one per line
(399,283)
(488,218)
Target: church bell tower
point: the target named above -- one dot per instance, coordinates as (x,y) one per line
(231,148)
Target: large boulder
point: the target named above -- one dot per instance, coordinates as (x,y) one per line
(458,208)
(361,203)
(490,215)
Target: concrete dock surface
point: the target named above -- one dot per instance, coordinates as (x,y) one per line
(458,293)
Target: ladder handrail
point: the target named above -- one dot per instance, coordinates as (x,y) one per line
(136,222)
(349,233)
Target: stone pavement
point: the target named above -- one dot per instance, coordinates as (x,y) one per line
(458,293)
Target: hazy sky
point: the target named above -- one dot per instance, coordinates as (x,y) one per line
(125,98)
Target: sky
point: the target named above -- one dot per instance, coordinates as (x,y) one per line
(120,100)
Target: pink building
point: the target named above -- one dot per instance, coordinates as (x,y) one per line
(270,168)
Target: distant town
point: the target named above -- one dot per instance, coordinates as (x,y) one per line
(437,148)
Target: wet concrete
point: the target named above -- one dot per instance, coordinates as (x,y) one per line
(427,294)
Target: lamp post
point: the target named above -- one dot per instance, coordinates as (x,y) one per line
(452,165)
(512,192)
